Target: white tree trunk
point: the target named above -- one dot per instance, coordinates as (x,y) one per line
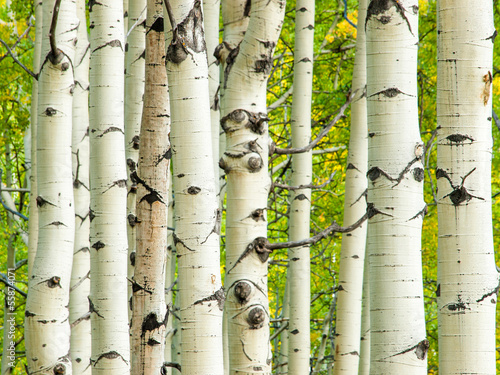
(395,190)
(150,313)
(33,209)
(299,340)
(196,208)
(245,162)
(108,252)
(47,330)
(467,279)
(352,254)
(134,93)
(79,315)
(364,355)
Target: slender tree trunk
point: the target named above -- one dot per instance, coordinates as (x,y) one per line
(150,313)
(352,255)
(33,209)
(197,227)
(364,355)
(108,252)
(47,329)
(79,314)
(245,162)
(467,279)
(299,345)
(395,190)
(134,93)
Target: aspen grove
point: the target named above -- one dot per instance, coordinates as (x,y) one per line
(236,187)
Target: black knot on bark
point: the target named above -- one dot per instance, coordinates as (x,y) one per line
(421,350)
(418,174)
(255,164)
(256,317)
(132,258)
(59,369)
(258,215)
(49,111)
(242,291)
(64,66)
(54,281)
(260,245)
(135,142)
(193,190)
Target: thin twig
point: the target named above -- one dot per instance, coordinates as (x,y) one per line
(308,186)
(3,279)
(18,39)
(322,133)
(170,13)
(136,23)
(17,61)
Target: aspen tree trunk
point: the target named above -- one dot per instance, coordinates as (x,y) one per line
(395,195)
(467,279)
(79,315)
(364,355)
(352,254)
(197,227)
(170,330)
(8,308)
(211,9)
(33,208)
(47,329)
(108,252)
(299,341)
(150,313)
(134,93)
(245,162)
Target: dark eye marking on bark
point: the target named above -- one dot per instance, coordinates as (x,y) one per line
(112,44)
(98,245)
(242,291)
(177,241)
(57,223)
(494,292)
(136,142)
(420,349)
(265,63)
(28,314)
(54,281)
(255,164)
(459,138)
(218,296)
(109,355)
(418,174)
(111,129)
(258,215)
(193,190)
(377,7)
(158,25)
(187,35)
(167,155)
(371,211)
(132,220)
(92,3)
(131,165)
(40,202)
(459,193)
(132,258)
(49,111)
(260,245)
(151,322)
(391,92)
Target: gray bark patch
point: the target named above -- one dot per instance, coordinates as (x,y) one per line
(187,35)
(459,138)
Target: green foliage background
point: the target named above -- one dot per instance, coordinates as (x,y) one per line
(334,48)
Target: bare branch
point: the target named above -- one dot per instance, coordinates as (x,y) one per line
(17,60)
(308,186)
(322,133)
(19,39)
(56,54)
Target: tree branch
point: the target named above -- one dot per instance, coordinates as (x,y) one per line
(56,55)
(35,76)
(322,133)
(18,39)
(308,186)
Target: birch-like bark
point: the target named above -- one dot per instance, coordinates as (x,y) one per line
(467,278)
(33,208)
(299,341)
(197,227)
(108,177)
(364,354)
(245,161)
(395,190)
(134,93)
(150,313)
(47,330)
(352,254)
(79,315)
(211,9)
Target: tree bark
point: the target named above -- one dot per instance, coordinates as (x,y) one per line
(108,240)
(150,313)
(79,315)
(352,254)
(467,279)
(47,330)
(395,190)
(245,161)
(196,209)
(299,341)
